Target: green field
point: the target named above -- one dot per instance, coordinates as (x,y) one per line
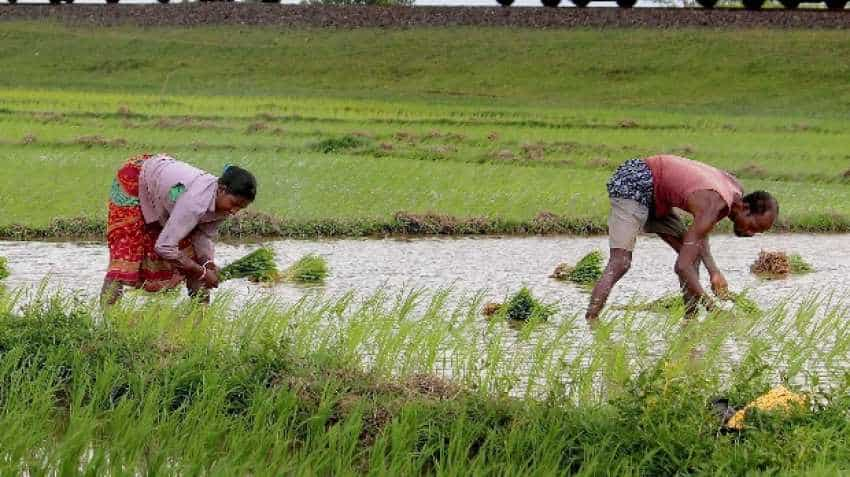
(407,385)
(345,128)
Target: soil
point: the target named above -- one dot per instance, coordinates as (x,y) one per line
(275,15)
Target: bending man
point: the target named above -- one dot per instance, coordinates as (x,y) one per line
(643,193)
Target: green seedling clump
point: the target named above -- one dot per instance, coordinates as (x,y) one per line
(798,265)
(588,270)
(257,266)
(4,270)
(308,269)
(667,303)
(522,306)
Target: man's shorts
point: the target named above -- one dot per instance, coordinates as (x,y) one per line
(627,219)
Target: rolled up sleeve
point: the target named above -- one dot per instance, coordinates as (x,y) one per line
(181,222)
(202,239)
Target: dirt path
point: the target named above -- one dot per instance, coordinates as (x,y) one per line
(201,14)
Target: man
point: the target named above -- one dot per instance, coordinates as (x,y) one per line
(643,193)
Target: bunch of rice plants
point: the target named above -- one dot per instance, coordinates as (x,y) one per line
(308,269)
(522,306)
(257,266)
(588,270)
(798,265)
(4,270)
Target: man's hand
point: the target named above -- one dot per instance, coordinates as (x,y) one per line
(719,285)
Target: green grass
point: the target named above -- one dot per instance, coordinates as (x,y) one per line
(353,386)
(342,142)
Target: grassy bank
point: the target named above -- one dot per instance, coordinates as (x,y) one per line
(346,129)
(407,385)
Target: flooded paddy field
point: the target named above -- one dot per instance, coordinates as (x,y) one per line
(442,284)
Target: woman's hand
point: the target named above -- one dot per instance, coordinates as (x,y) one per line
(210,278)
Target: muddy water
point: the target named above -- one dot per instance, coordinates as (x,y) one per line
(498,265)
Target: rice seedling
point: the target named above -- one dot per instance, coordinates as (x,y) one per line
(307,269)
(4,269)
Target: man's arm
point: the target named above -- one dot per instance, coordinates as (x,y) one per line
(718,282)
(706,207)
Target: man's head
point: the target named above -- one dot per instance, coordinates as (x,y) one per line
(236,190)
(754,213)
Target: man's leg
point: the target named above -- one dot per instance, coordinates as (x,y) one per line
(671,229)
(625,221)
(618,264)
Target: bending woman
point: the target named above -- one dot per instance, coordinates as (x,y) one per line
(163,218)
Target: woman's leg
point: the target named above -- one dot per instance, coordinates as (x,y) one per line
(111,292)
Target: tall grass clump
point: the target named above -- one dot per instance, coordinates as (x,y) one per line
(408,382)
(310,268)
(340,144)
(4,268)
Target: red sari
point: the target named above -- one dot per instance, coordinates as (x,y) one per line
(132,258)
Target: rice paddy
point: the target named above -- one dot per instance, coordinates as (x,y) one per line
(358,146)
(407,384)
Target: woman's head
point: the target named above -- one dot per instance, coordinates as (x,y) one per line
(236,190)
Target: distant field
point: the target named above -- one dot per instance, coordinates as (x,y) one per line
(354,126)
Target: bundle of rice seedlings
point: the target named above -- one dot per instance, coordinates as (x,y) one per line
(771,265)
(798,265)
(587,271)
(308,269)
(4,270)
(257,266)
(522,306)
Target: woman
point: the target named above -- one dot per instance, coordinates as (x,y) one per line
(163,217)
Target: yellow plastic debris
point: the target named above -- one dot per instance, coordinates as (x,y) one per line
(779,398)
